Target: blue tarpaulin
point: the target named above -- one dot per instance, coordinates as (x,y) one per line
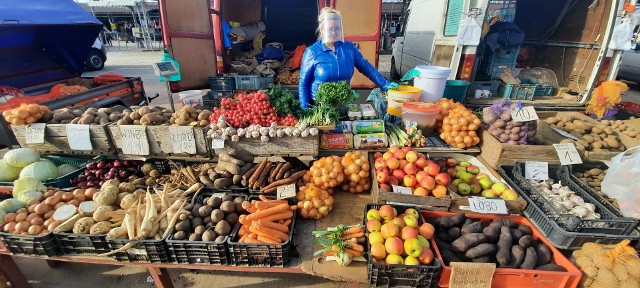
(43,41)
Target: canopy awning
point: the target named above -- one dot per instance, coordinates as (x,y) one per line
(118,3)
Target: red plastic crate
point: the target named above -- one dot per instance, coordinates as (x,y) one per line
(509,277)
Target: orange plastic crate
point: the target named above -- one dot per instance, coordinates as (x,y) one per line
(509,277)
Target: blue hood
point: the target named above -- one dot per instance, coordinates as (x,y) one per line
(43,41)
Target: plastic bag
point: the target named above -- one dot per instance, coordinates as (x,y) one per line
(380,105)
(469,32)
(621,36)
(622,181)
(504,129)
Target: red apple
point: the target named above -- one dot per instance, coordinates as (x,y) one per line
(442,163)
(452,162)
(409,232)
(473,169)
(421,175)
(387,212)
(398,222)
(394,245)
(399,154)
(387,155)
(475,188)
(374,225)
(410,169)
(382,177)
(443,179)
(398,174)
(411,156)
(389,230)
(377,155)
(426,230)
(393,163)
(421,191)
(410,181)
(403,163)
(432,168)
(439,191)
(380,163)
(421,162)
(428,182)
(426,257)
(406,149)
(451,171)
(393,181)
(378,251)
(385,187)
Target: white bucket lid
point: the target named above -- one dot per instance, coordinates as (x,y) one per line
(190,93)
(433,71)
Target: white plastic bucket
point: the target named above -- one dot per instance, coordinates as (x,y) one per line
(432,80)
(397,97)
(191,97)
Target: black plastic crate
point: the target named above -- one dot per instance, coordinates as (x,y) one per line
(261,255)
(30,245)
(559,237)
(609,223)
(80,244)
(222,83)
(396,275)
(253,82)
(603,199)
(198,252)
(64,181)
(144,251)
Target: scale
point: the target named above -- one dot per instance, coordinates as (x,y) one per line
(166,69)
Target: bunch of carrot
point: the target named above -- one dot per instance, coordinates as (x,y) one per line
(343,239)
(269,221)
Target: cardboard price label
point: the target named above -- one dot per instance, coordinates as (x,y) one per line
(78,137)
(527,113)
(471,275)
(217,143)
(134,140)
(286,191)
(536,170)
(567,153)
(182,139)
(487,206)
(34,133)
(402,189)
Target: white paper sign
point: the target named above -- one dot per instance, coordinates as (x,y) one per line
(536,170)
(527,113)
(78,137)
(286,191)
(487,205)
(134,140)
(34,133)
(182,139)
(567,153)
(402,189)
(217,143)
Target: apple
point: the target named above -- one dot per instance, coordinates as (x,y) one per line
(410,181)
(394,245)
(377,155)
(411,156)
(464,188)
(433,169)
(443,179)
(421,175)
(374,225)
(393,181)
(398,222)
(451,171)
(393,149)
(380,163)
(373,214)
(461,168)
(403,163)
(382,177)
(406,149)
(410,221)
(421,191)
(410,169)
(376,237)
(413,212)
(426,257)
(399,154)
(412,247)
(456,182)
(394,259)
(423,241)
(499,187)
(387,212)
(389,230)
(473,169)
(393,163)
(382,169)
(465,164)
(488,193)
(412,261)
(409,232)
(428,182)
(485,182)
(442,163)
(475,188)
(466,177)
(439,191)
(426,230)
(421,162)
(398,174)
(451,162)
(385,187)
(387,155)
(482,175)
(509,195)
(378,251)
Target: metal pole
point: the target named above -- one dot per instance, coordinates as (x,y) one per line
(166,80)
(147,37)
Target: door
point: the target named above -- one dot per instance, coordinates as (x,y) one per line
(399,45)
(420,33)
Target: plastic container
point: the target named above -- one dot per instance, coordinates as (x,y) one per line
(143,251)
(79,244)
(191,97)
(30,245)
(517,91)
(496,70)
(432,80)
(456,90)
(404,93)
(420,114)
(508,277)
(253,82)
(222,83)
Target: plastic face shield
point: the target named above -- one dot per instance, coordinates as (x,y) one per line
(332,29)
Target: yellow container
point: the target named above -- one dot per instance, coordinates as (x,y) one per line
(395,98)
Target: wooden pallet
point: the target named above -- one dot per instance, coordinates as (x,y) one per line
(55,140)
(159,141)
(286,146)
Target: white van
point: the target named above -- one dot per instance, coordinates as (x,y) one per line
(569,37)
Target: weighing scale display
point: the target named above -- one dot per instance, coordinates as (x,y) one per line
(164,68)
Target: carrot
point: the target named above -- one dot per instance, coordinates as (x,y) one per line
(267,212)
(281,182)
(263,198)
(274,171)
(248,174)
(275,226)
(352,252)
(254,230)
(252,209)
(266,239)
(349,236)
(355,246)
(353,230)
(293,207)
(243,231)
(246,205)
(265,205)
(280,221)
(242,239)
(279,216)
(252,235)
(243,220)
(287,222)
(282,170)
(274,232)
(328,254)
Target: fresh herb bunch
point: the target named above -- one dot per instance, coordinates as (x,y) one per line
(335,94)
(284,101)
(320,115)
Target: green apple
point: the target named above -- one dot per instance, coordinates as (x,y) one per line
(465,164)
(413,212)
(412,247)
(373,214)
(488,193)
(466,177)
(499,187)
(485,183)
(423,241)
(394,259)
(410,260)
(464,188)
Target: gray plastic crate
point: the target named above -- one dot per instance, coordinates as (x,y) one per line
(253,82)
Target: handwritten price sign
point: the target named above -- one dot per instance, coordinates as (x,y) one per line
(487,206)
(401,189)
(78,137)
(134,140)
(182,139)
(567,153)
(524,114)
(34,133)
(536,170)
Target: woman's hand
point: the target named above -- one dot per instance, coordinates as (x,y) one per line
(393,86)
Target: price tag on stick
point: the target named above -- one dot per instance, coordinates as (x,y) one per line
(536,170)
(182,139)
(34,133)
(567,153)
(487,206)
(134,140)
(217,143)
(527,113)
(78,137)
(402,190)
(286,191)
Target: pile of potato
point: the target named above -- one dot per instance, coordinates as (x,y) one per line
(210,221)
(286,77)
(145,115)
(593,178)
(189,116)
(27,114)
(502,127)
(591,138)
(76,115)
(619,126)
